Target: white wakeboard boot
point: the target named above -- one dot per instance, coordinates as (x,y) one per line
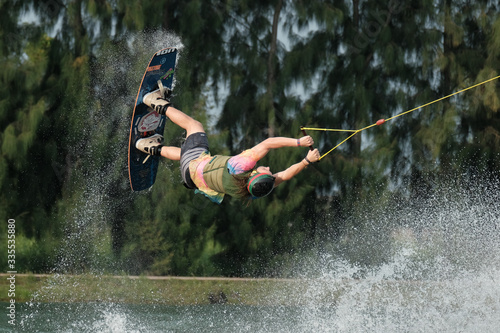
(150,145)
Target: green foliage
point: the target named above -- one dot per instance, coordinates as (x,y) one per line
(67,88)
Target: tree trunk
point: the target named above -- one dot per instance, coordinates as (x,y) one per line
(271,62)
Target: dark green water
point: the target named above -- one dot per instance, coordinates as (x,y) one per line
(101,317)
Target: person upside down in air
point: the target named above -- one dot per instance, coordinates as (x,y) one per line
(214,176)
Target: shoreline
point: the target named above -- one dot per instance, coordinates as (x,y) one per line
(168,290)
(156,277)
(183,290)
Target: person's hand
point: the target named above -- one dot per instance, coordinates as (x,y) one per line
(306,141)
(313,156)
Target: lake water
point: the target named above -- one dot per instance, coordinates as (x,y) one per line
(101,317)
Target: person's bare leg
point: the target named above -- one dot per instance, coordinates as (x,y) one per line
(162,106)
(172,153)
(183,120)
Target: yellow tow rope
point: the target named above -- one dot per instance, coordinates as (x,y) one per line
(381,121)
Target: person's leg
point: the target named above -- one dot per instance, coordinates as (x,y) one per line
(183,120)
(190,125)
(172,153)
(162,106)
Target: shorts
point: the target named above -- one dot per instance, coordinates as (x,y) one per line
(195,145)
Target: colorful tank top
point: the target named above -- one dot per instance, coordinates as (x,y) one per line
(217,170)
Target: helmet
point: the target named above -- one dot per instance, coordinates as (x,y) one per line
(260,185)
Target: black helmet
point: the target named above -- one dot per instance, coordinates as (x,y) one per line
(260,185)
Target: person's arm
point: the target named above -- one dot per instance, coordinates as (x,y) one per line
(278,142)
(295,169)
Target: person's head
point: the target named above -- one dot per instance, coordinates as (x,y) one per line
(260,183)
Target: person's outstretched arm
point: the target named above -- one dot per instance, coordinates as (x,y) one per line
(293,170)
(279,142)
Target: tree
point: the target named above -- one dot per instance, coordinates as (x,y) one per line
(69,82)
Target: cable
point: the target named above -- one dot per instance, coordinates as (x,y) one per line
(382,121)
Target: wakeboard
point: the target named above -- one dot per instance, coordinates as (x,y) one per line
(142,167)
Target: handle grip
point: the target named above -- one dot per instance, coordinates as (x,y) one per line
(304,132)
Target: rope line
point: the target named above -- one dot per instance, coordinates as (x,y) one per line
(382,121)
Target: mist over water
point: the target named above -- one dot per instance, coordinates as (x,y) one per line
(118,71)
(426,266)
(431,264)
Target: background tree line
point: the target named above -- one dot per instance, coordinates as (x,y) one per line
(70,72)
